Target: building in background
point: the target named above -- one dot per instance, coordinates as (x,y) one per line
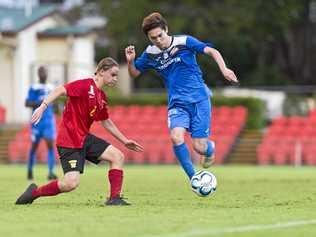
(36,35)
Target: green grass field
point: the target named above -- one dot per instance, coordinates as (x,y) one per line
(249,201)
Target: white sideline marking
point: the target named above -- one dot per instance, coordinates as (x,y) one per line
(240,229)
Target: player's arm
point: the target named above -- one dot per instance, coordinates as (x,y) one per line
(32,104)
(216,55)
(130,58)
(112,128)
(37,115)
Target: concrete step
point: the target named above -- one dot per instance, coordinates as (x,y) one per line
(7,133)
(245,150)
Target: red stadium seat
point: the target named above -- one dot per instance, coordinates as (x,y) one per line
(281,121)
(289,138)
(148,126)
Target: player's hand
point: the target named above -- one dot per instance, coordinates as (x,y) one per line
(230,75)
(37,115)
(132,145)
(130,53)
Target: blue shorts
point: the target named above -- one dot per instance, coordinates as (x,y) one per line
(46,131)
(194,117)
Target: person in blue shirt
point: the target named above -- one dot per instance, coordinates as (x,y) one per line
(189,107)
(46,128)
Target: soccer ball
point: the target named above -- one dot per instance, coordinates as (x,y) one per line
(203,183)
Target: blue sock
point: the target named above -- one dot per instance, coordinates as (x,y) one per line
(50,160)
(31,161)
(183,155)
(209,150)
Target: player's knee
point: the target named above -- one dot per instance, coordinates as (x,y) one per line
(70,184)
(199,147)
(176,138)
(118,157)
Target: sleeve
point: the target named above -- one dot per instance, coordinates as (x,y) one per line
(142,62)
(75,88)
(103,114)
(196,45)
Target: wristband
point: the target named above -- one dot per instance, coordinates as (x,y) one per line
(45,104)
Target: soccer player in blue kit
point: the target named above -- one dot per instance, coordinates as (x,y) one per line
(46,128)
(189,107)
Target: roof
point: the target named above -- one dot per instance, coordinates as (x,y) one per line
(13,20)
(65,31)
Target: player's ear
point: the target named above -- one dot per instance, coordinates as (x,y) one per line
(166,30)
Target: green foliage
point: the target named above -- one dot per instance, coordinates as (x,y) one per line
(254,36)
(295,105)
(138,99)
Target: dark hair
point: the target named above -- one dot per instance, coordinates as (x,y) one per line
(106,64)
(152,21)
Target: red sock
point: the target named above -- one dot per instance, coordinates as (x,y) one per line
(50,189)
(116,179)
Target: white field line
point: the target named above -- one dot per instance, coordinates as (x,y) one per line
(237,229)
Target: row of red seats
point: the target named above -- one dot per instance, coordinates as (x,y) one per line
(289,139)
(153,134)
(287,153)
(162,110)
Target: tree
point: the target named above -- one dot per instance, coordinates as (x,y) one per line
(265,42)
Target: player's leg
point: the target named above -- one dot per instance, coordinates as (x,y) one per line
(200,128)
(49,136)
(72,163)
(69,182)
(206,148)
(53,188)
(99,150)
(35,138)
(178,122)
(50,159)
(115,175)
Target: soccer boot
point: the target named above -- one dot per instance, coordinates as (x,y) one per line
(52,176)
(207,161)
(117,201)
(26,197)
(30,175)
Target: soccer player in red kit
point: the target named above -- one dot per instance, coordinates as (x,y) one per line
(86,103)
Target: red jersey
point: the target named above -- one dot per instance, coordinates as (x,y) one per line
(86,103)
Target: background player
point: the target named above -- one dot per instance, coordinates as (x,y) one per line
(189,108)
(86,103)
(46,128)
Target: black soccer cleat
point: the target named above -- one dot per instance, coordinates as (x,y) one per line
(52,176)
(26,197)
(118,201)
(30,175)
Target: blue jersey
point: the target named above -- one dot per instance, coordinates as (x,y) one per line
(37,94)
(178,67)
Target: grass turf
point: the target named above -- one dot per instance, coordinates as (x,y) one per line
(163,204)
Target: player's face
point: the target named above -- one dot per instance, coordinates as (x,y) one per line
(110,76)
(159,37)
(42,74)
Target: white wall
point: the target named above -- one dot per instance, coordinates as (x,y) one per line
(6,69)
(15,87)
(25,55)
(274,99)
(81,60)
